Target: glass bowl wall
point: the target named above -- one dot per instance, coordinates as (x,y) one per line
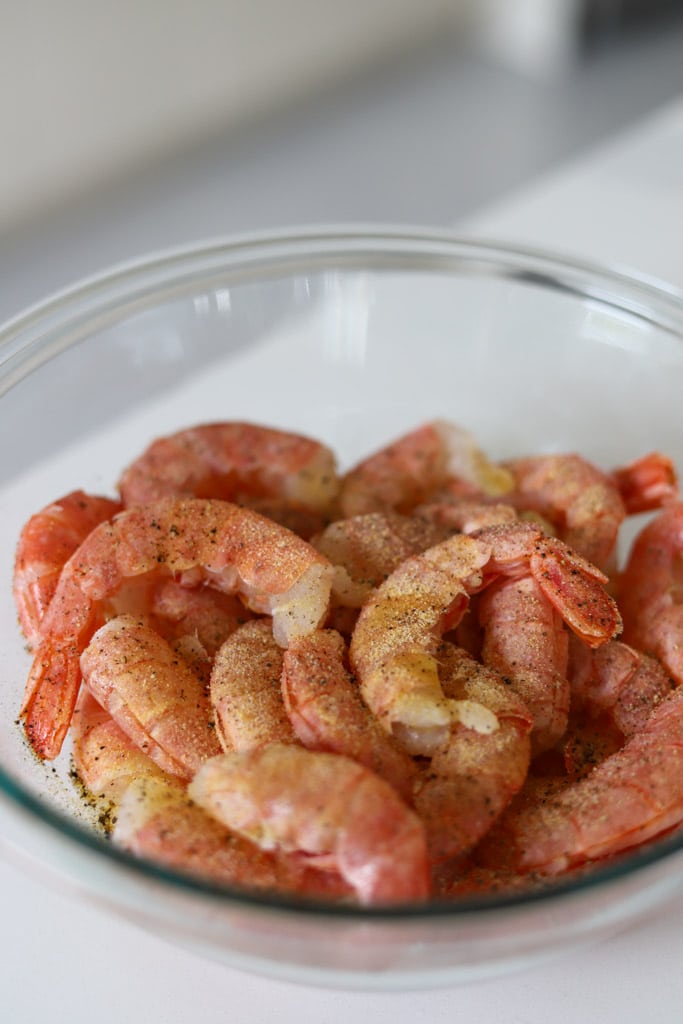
(352,337)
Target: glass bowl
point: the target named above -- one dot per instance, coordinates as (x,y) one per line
(353,337)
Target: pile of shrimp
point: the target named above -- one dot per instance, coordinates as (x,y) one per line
(419,679)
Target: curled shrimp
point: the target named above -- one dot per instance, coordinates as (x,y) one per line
(156,820)
(338,813)
(394,641)
(151,694)
(632,796)
(223,545)
(328,713)
(365,549)
(406,472)
(614,690)
(582,502)
(473,776)
(46,542)
(245,690)
(651,590)
(236,462)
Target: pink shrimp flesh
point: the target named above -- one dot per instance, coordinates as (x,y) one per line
(326,806)
(151,694)
(327,712)
(581,501)
(393,644)
(630,797)
(194,540)
(474,775)
(406,472)
(647,483)
(245,690)
(234,462)
(651,590)
(46,542)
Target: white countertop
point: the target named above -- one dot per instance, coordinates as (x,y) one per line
(69,962)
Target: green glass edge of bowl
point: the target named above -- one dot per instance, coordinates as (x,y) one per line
(251,256)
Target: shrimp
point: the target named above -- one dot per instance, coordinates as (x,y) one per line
(194,540)
(651,590)
(46,542)
(619,680)
(200,612)
(338,813)
(407,471)
(648,483)
(234,462)
(105,759)
(614,690)
(524,640)
(328,713)
(581,501)
(632,796)
(365,549)
(393,643)
(245,690)
(151,694)
(156,820)
(474,775)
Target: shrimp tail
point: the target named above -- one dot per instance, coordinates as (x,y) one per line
(576,589)
(51,693)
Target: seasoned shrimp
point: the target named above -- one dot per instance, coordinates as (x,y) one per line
(581,501)
(393,644)
(524,640)
(202,612)
(230,548)
(245,690)
(614,690)
(157,820)
(651,590)
(151,694)
(365,549)
(105,758)
(46,542)
(235,462)
(632,796)
(647,483)
(328,807)
(474,775)
(406,472)
(327,712)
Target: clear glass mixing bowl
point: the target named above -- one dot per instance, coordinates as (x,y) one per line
(353,337)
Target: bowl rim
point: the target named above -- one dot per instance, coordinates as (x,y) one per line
(378,246)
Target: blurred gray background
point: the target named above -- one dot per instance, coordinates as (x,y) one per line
(136,126)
